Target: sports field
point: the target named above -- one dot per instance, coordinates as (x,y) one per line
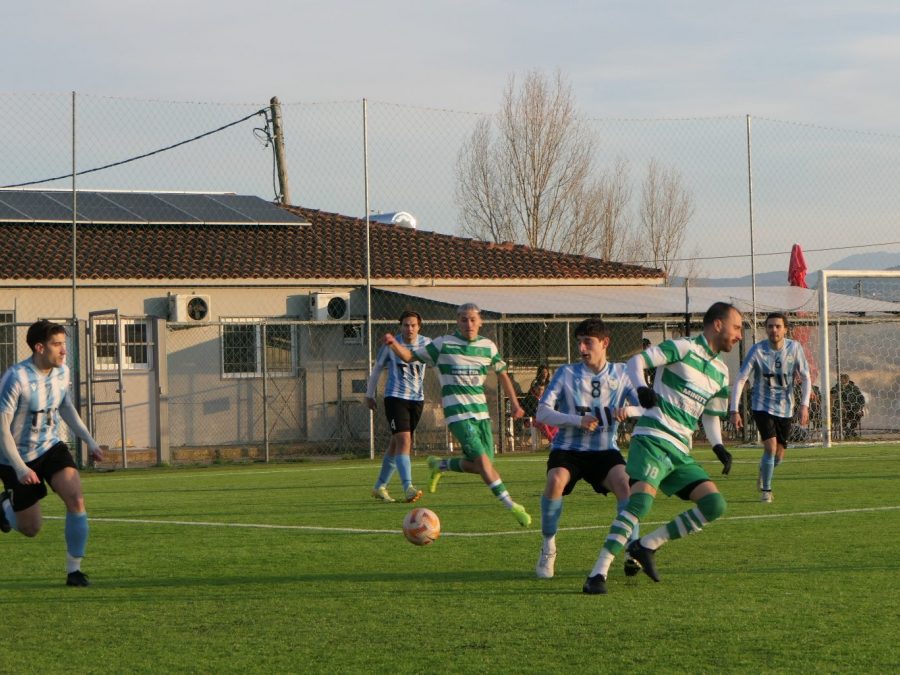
(295,568)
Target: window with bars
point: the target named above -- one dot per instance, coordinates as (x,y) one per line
(243,344)
(135,343)
(7,339)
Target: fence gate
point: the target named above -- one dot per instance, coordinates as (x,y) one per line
(105,385)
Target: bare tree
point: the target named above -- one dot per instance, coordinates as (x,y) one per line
(531,181)
(666,209)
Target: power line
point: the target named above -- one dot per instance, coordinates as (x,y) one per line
(146,154)
(760,255)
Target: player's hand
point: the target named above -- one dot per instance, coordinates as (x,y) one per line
(804,415)
(96,453)
(736,419)
(389,339)
(588,422)
(724,457)
(29,478)
(647,397)
(371,403)
(517,412)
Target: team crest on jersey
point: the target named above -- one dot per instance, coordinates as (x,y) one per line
(613,384)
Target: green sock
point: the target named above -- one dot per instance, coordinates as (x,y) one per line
(455,464)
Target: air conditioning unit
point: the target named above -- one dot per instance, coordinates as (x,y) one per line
(329,306)
(189,308)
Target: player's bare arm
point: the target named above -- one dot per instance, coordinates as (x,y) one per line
(516,410)
(398,348)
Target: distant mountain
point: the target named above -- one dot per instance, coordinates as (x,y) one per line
(857,261)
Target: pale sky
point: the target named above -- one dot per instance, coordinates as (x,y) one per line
(823,63)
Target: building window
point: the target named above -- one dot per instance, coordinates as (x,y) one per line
(7,339)
(135,344)
(242,348)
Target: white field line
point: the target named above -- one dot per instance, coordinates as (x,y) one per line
(530,532)
(112,476)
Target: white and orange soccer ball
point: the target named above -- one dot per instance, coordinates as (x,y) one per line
(421,527)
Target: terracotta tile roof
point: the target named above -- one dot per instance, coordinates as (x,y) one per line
(331,247)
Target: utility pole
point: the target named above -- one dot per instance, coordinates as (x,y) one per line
(281,163)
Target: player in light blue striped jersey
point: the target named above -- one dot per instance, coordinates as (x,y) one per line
(774,363)
(586,400)
(404,399)
(691,382)
(34,397)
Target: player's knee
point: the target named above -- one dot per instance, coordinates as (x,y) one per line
(29,529)
(712,506)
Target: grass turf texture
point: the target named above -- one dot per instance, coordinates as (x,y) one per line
(806,584)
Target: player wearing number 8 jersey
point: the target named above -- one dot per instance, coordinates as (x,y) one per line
(586,401)
(691,382)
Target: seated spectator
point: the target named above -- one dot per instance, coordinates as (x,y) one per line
(849,401)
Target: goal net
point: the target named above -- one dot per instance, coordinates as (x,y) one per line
(858,356)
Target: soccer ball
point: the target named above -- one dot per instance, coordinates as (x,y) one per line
(421,527)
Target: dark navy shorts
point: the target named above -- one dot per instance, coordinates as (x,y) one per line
(402,415)
(55,459)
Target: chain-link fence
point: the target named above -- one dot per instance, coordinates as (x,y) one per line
(279,385)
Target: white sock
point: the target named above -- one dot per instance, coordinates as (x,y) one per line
(72,564)
(603,562)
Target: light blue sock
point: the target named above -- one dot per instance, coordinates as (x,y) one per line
(636,532)
(76,533)
(404,468)
(10,514)
(551,510)
(766,468)
(387,470)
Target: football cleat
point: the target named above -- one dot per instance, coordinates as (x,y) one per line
(521,515)
(766,496)
(434,463)
(77,578)
(595,585)
(632,566)
(382,494)
(413,494)
(546,564)
(644,556)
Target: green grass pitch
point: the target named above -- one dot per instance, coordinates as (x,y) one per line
(295,568)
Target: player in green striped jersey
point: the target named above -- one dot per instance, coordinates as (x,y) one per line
(462,361)
(691,382)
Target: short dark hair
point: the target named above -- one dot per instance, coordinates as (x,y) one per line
(593,327)
(41,331)
(408,313)
(777,315)
(718,311)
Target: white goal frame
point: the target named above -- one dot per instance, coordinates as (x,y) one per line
(824,346)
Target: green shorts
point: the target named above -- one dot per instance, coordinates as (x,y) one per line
(662,465)
(475,437)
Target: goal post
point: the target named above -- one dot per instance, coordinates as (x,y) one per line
(859,354)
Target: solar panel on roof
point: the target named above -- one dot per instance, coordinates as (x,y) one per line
(36,206)
(256,209)
(7,212)
(92,206)
(142,207)
(149,208)
(205,209)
